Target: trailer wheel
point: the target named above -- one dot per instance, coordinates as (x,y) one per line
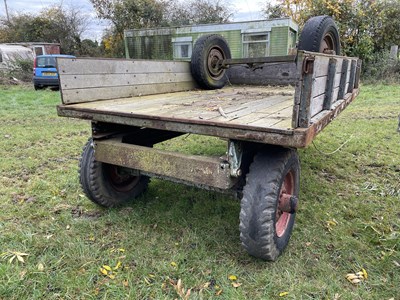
(320,34)
(208,50)
(105,184)
(269,203)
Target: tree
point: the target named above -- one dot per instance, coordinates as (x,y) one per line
(197,12)
(54,25)
(365,26)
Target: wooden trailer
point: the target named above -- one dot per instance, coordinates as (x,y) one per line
(135,104)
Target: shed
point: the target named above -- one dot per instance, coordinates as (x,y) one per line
(246,39)
(41,48)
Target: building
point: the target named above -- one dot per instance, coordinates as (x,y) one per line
(41,48)
(246,39)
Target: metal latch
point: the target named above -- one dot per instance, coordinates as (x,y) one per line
(308,64)
(235,153)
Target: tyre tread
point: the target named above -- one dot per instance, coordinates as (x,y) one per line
(264,246)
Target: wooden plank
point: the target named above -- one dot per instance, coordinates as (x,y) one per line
(87,81)
(317,104)
(321,65)
(328,100)
(272,119)
(95,94)
(306,93)
(79,66)
(358,74)
(352,76)
(343,79)
(319,86)
(199,170)
(266,112)
(249,108)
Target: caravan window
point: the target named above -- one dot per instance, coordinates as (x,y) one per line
(256,44)
(182,47)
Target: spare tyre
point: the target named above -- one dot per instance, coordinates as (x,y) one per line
(320,34)
(208,51)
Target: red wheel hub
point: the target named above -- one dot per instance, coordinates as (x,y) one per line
(287,204)
(121,181)
(214,56)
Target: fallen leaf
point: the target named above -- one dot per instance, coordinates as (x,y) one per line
(232,277)
(330,224)
(12,255)
(283,294)
(118,265)
(173,264)
(218,293)
(22,274)
(356,278)
(108,268)
(40,267)
(365,274)
(125,283)
(103,271)
(236,284)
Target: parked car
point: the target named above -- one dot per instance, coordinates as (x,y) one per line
(45,71)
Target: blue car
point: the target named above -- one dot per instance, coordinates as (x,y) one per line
(45,72)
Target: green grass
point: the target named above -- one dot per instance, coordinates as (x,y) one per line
(178,232)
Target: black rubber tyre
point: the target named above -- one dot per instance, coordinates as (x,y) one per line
(105,184)
(264,229)
(320,34)
(206,53)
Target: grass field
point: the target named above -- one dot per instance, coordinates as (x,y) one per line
(54,241)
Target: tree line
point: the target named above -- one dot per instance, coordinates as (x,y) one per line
(66,25)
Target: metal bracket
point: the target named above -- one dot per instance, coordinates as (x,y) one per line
(235,153)
(308,64)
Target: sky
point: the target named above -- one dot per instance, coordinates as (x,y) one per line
(244,10)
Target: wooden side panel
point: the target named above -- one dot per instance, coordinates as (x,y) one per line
(86,80)
(331,79)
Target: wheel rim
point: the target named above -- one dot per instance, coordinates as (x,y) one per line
(282,218)
(216,54)
(120,180)
(328,44)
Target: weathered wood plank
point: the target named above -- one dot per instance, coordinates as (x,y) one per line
(87,81)
(358,74)
(353,67)
(275,118)
(200,170)
(328,100)
(306,93)
(79,66)
(343,79)
(95,94)
(319,86)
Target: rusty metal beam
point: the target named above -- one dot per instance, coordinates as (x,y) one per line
(257,60)
(193,169)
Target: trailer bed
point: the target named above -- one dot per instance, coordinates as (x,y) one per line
(163,95)
(231,107)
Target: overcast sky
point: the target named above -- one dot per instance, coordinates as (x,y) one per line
(244,10)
